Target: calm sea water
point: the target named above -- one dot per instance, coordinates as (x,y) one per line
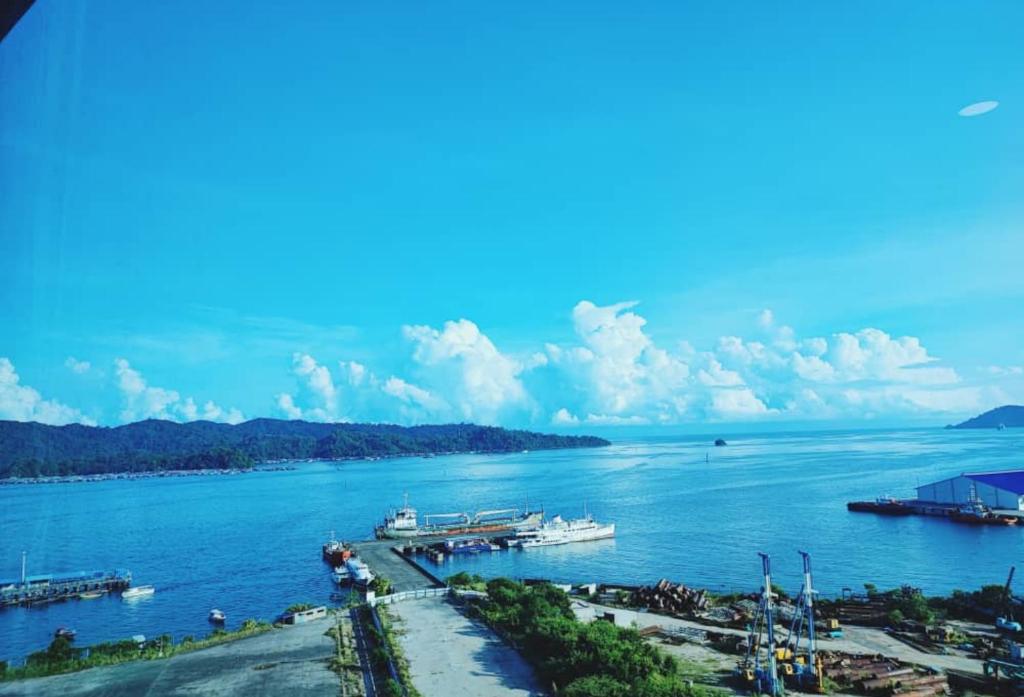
(250,544)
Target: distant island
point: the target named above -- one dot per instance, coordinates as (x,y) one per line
(1008,416)
(37,450)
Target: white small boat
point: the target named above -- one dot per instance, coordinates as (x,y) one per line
(217,616)
(137,592)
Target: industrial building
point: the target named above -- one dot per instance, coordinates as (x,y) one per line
(997,490)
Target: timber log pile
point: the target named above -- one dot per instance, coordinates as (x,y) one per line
(878,675)
(674,598)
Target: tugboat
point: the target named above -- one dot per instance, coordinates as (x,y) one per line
(976,513)
(217,616)
(336,552)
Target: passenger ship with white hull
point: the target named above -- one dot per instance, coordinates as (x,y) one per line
(559,532)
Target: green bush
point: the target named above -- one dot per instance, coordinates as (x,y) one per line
(581,659)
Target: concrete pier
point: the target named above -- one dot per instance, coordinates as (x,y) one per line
(405,573)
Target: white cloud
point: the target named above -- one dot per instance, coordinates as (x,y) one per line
(737,403)
(22,403)
(76,366)
(978,108)
(714,375)
(1005,370)
(286,403)
(563,417)
(463,364)
(139,400)
(413,395)
(618,368)
(616,420)
(317,379)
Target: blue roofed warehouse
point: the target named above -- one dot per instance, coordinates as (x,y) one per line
(997,490)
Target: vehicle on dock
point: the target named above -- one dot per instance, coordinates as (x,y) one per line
(404,522)
(217,616)
(976,513)
(137,592)
(559,532)
(883,505)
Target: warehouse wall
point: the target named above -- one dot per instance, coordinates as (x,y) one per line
(958,490)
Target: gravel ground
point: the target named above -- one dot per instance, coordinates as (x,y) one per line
(290,661)
(452,656)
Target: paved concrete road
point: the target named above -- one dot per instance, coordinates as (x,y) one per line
(452,656)
(290,661)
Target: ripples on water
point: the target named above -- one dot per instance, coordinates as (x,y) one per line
(250,544)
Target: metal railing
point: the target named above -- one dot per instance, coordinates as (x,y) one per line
(409,595)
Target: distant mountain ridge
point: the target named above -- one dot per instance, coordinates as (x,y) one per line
(34,449)
(1009,415)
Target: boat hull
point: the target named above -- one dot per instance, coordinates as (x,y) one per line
(531,520)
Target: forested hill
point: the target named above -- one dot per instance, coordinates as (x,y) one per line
(1009,416)
(33,449)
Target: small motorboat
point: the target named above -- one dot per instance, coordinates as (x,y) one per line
(217,616)
(66,632)
(137,592)
(92,595)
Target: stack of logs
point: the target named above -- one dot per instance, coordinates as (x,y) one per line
(672,597)
(878,675)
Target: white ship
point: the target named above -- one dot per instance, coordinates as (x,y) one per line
(559,532)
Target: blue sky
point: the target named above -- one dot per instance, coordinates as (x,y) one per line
(425,213)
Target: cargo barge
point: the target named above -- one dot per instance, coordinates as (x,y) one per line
(973,513)
(403,523)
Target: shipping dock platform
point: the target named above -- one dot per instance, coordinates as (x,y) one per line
(49,588)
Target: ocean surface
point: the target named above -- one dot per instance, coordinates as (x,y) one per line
(250,544)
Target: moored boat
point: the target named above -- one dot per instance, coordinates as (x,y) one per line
(217,616)
(137,592)
(469,546)
(883,505)
(336,552)
(66,632)
(976,513)
(92,595)
(403,522)
(559,532)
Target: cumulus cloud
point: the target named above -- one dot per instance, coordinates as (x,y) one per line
(139,400)
(479,381)
(286,403)
(76,366)
(618,370)
(614,373)
(563,417)
(20,402)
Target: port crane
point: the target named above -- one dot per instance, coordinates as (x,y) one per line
(759,667)
(804,666)
(1006,622)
